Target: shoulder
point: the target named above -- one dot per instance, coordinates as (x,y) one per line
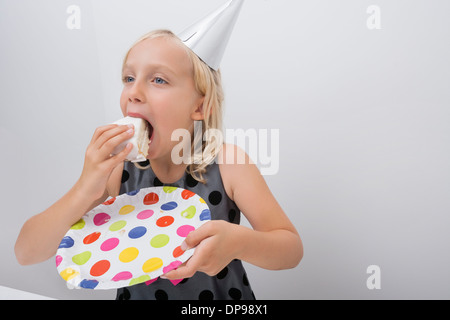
(237,169)
(232,155)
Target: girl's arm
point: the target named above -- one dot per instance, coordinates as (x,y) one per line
(273,243)
(41,234)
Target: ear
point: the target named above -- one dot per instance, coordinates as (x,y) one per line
(198,114)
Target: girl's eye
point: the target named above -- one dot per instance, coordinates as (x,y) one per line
(128,79)
(160,81)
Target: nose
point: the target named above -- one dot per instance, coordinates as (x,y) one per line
(136,93)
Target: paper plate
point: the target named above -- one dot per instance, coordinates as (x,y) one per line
(130,239)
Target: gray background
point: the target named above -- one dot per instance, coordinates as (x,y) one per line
(363,118)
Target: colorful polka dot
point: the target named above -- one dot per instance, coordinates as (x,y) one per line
(118,225)
(169,189)
(189,213)
(101,218)
(205,215)
(78,225)
(68,274)
(92,237)
(125,275)
(126,210)
(152,265)
(82,258)
(174,265)
(140,279)
(133,193)
(160,241)
(100,268)
(165,221)
(183,231)
(89,284)
(109,244)
(169,206)
(58,260)
(137,232)
(175,282)
(151,199)
(177,252)
(149,282)
(145,214)
(128,255)
(186,194)
(109,202)
(66,242)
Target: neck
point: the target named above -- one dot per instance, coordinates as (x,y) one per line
(167,171)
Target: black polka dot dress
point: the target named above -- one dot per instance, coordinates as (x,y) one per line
(231,283)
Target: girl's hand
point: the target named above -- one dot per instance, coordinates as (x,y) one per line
(216,248)
(41,234)
(98,162)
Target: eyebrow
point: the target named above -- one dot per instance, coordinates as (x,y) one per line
(155,67)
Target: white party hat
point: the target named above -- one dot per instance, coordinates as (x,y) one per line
(209,37)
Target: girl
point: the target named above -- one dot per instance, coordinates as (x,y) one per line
(169,86)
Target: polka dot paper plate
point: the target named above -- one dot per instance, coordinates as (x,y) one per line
(130,239)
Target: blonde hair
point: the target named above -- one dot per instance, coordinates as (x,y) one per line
(208,84)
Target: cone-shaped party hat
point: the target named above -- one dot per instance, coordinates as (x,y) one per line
(209,37)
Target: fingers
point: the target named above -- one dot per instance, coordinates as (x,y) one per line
(121,156)
(98,162)
(112,137)
(186,270)
(106,139)
(195,237)
(100,130)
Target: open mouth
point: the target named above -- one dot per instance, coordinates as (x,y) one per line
(149,130)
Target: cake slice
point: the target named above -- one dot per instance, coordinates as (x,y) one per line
(140,140)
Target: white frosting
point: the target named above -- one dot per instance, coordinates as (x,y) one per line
(140,140)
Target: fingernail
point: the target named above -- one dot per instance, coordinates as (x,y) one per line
(163,277)
(130,131)
(184,246)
